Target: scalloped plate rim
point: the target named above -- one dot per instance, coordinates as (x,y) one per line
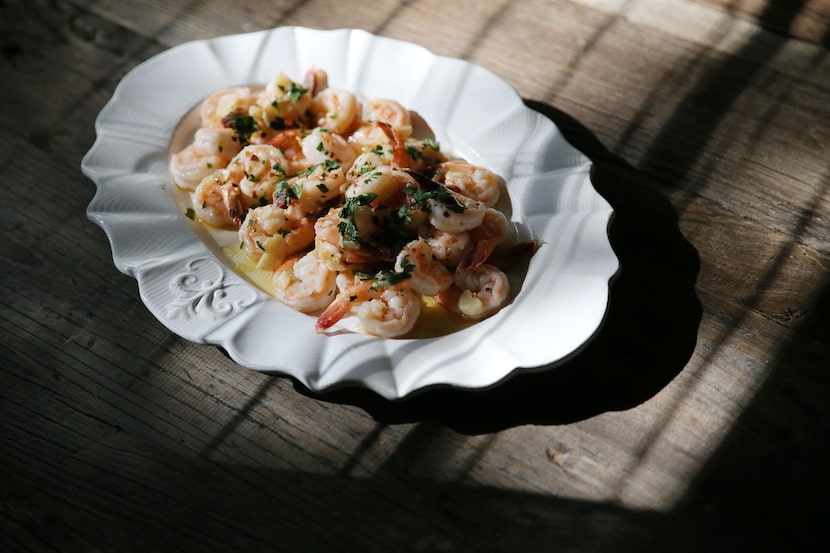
(600,265)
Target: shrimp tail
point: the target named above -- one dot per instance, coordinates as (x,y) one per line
(340,307)
(400,155)
(315,80)
(333,313)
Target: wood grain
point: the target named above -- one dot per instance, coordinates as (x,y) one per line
(695,420)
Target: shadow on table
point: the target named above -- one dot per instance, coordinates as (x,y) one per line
(130,495)
(646,339)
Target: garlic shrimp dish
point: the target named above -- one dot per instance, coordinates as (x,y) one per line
(345,211)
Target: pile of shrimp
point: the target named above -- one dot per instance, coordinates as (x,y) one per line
(353,215)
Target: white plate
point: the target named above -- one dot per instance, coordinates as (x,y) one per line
(185,283)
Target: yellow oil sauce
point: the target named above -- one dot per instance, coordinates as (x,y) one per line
(434,319)
(229,243)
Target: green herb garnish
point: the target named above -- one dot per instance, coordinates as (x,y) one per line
(243,125)
(285,192)
(431,144)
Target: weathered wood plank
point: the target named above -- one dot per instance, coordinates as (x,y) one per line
(710,135)
(804,19)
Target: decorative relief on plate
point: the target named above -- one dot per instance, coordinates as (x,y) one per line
(201,291)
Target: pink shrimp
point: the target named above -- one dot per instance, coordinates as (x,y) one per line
(476,293)
(388,311)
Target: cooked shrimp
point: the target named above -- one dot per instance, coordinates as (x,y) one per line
(370,138)
(224,102)
(427,275)
(365,163)
(282,104)
(375,114)
(305,283)
(334,109)
(320,146)
(338,252)
(327,240)
(477,292)
(290,144)
(232,198)
(314,187)
(493,231)
(471,180)
(382,182)
(450,248)
(391,112)
(250,179)
(256,170)
(342,304)
(448,210)
(315,80)
(411,154)
(455,213)
(388,312)
(392,314)
(209,204)
(401,158)
(211,150)
(270,234)
(423,154)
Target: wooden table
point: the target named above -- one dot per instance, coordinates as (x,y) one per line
(696,420)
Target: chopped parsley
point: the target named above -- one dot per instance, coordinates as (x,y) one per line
(429,143)
(414,152)
(404,214)
(420,198)
(331,165)
(327,166)
(243,125)
(406,266)
(386,277)
(373,175)
(392,277)
(348,224)
(366,168)
(294,91)
(285,192)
